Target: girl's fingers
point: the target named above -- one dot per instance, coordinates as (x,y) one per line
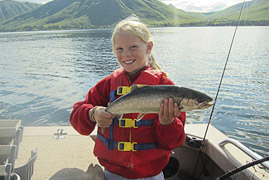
(176,110)
(168,111)
(161,113)
(103,118)
(104,122)
(171,108)
(166,108)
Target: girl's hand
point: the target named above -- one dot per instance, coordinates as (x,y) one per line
(168,111)
(101,117)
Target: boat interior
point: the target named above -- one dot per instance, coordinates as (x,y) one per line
(216,157)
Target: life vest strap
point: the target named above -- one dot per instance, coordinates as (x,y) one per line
(126,146)
(132,123)
(121,90)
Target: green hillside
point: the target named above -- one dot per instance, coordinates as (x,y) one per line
(9,9)
(86,14)
(77,14)
(255,12)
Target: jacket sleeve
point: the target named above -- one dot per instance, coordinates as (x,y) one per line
(173,135)
(97,96)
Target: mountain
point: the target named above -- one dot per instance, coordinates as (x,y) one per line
(9,9)
(254,12)
(86,14)
(78,14)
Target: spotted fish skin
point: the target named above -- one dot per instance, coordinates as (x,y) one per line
(147,99)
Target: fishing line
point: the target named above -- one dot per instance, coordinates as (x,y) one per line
(224,69)
(220,83)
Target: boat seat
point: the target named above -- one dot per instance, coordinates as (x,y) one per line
(27,170)
(7,160)
(10,137)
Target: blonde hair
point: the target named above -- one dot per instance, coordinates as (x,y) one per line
(132,25)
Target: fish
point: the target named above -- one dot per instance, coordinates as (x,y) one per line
(147,99)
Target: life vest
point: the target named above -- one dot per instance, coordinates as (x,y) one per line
(127,142)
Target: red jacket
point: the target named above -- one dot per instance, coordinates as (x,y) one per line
(130,164)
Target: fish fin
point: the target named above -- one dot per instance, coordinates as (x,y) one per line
(137,86)
(119,117)
(140,116)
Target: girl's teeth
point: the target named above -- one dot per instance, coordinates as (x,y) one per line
(129,62)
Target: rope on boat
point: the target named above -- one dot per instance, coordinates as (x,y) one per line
(241,168)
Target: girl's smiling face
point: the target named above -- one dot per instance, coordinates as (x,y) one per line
(131,51)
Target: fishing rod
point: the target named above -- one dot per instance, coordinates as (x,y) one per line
(241,168)
(224,69)
(220,83)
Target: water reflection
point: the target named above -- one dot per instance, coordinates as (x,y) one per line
(44,73)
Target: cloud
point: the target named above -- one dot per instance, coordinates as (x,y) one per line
(202,5)
(36,1)
(186,5)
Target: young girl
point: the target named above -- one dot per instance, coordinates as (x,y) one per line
(129,149)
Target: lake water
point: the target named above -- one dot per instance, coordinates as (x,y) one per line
(42,74)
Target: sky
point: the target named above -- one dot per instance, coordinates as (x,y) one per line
(202,5)
(186,5)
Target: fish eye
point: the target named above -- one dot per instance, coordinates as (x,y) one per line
(200,100)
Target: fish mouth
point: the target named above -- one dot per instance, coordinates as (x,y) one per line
(205,105)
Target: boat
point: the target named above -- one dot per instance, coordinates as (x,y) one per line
(217,157)
(40,152)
